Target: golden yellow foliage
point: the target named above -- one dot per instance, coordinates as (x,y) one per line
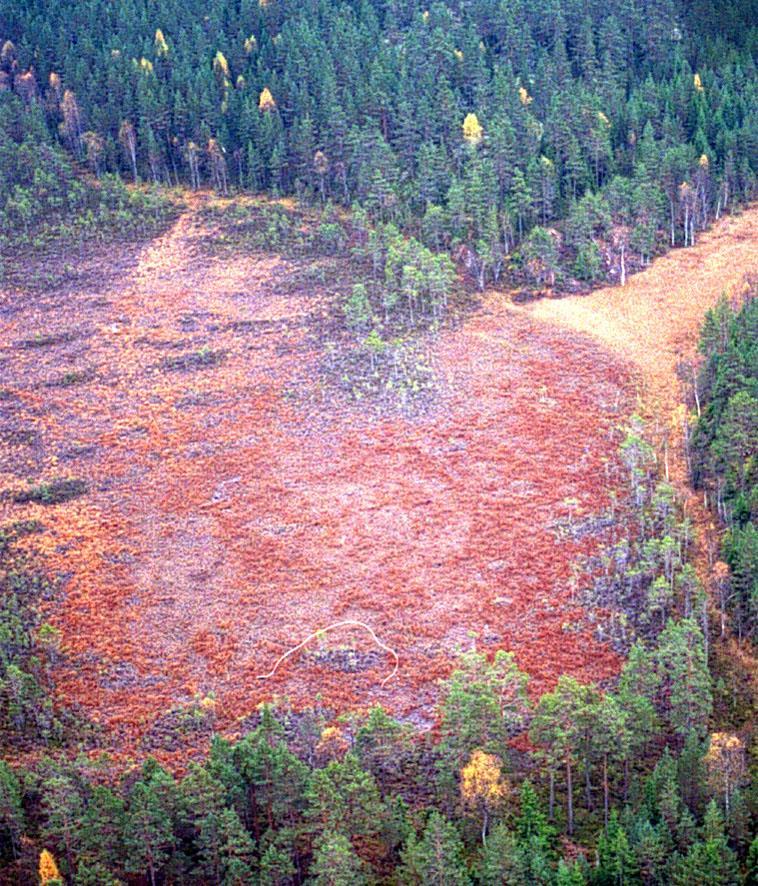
(48,869)
(250,44)
(482,782)
(332,744)
(145,65)
(266,100)
(726,763)
(425,15)
(458,54)
(704,162)
(241,82)
(320,163)
(698,83)
(472,129)
(526,99)
(221,65)
(603,119)
(8,52)
(161,47)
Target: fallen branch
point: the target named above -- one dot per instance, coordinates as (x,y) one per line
(338,624)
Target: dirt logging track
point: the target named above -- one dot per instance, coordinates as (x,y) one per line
(234,506)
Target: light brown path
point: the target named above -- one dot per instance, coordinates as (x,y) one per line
(654,321)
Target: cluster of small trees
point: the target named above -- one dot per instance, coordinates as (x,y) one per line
(26,649)
(407,279)
(641,578)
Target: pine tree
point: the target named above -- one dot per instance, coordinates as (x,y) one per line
(335,863)
(559,726)
(617,865)
(710,861)
(569,875)
(686,682)
(102,828)
(12,820)
(63,807)
(149,831)
(344,799)
(498,861)
(276,867)
(226,848)
(437,857)
(520,201)
(535,854)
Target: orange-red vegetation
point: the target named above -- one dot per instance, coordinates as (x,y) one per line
(235,506)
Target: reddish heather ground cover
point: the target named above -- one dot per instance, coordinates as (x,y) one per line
(234,506)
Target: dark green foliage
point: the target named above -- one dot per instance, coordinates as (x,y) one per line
(436,856)
(12,821)
(367,106)
(149,829)
(338,824)
(52,493)
(725,447)
(26,711)
(336,864)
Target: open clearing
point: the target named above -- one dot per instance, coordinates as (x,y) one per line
(233,506)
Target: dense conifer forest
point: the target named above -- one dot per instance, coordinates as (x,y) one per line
(441,147)
(474,126)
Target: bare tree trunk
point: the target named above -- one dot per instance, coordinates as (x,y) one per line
(570,798)
(605,789)
(551,807)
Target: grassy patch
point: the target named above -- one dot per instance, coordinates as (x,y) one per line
(202,359)
(52,493)
(47,341)
(69,379)
(18,436)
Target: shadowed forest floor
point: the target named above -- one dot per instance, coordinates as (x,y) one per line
(233,505)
